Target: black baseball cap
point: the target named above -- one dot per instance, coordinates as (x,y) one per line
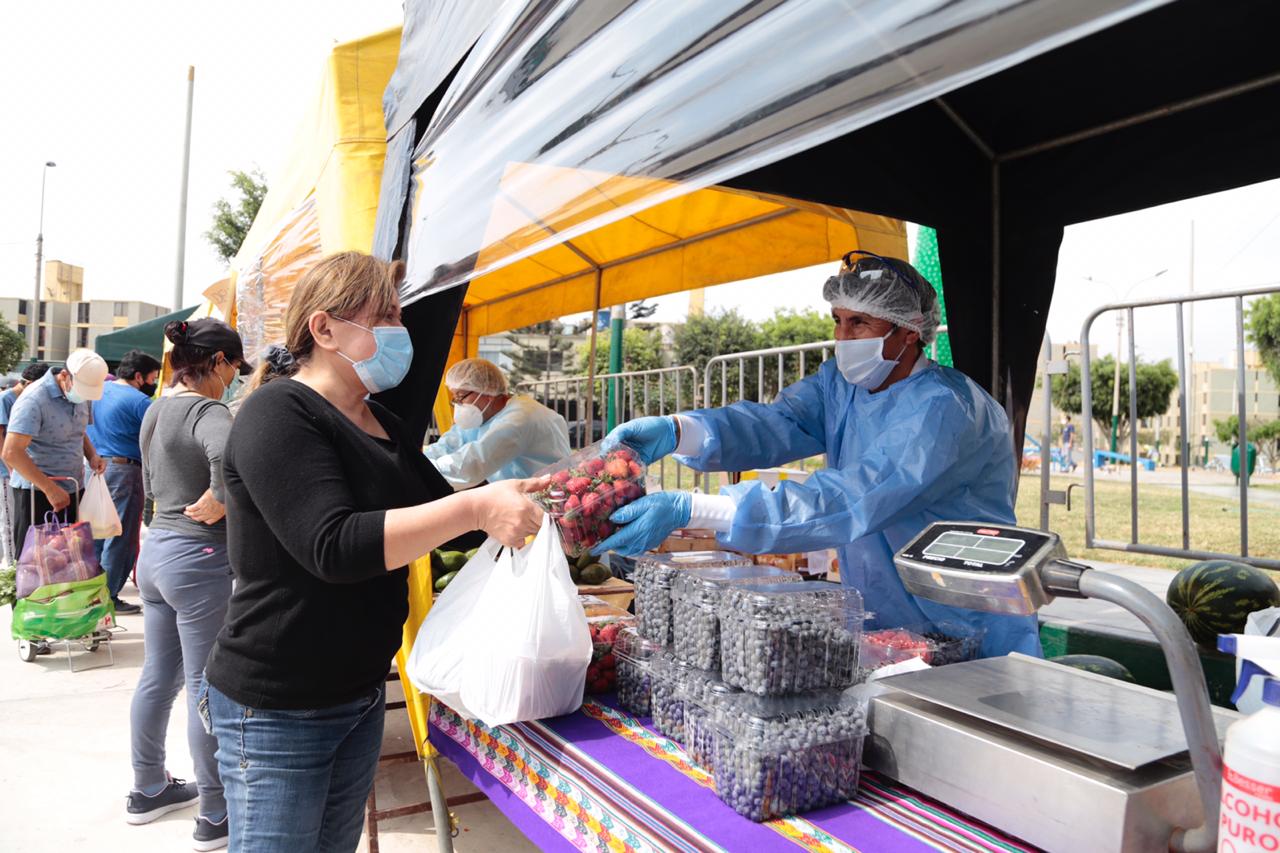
(210,334)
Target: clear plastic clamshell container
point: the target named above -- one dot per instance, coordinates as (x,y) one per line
(652,579)
(672,681)
(936,643)
(700,700)
(695,597)
(785,638)
(776,756)
(635,656)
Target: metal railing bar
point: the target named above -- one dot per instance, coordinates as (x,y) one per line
(1133,433)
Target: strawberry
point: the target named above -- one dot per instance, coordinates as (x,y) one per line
(617,468)
(624,453)
(637,470)
(560,477)
(593,466)
(608,661)
(572,503)
(578,485)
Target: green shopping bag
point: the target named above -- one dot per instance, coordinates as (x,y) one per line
(62,611)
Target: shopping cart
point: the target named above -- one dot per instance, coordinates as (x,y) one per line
(70,612)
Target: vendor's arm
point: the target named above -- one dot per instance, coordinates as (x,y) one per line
(749,435)
(902,472)
(471,463)
(447,443)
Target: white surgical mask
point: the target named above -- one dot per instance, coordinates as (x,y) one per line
(468,416)
(862,361)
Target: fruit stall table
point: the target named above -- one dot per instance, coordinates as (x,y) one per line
(600,779)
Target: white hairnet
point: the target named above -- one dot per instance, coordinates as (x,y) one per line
(478,375)
(888,288)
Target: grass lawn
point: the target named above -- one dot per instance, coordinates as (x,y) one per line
(1215,522)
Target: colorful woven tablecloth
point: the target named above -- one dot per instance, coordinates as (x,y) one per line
(601,780)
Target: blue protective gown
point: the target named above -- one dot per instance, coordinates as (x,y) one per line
(523,438)
(931,447)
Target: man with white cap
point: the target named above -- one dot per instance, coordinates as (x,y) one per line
(495,436)
(46,439)
(907,442)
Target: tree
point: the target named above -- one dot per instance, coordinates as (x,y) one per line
(1265,435)
(1155,383)
(233,218)
(12,347)
(705,336)
(788,327)
(533,359)
(1263,324)
(641,350)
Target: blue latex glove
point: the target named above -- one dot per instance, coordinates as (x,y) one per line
(647,522)
(652,438)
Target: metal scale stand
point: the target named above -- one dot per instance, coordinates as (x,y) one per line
(1064,759)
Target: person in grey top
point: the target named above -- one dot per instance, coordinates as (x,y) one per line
(183,571)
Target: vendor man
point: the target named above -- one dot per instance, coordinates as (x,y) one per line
(908,442)
(495,436)
(46,439)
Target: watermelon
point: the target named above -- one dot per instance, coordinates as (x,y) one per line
(1098,665)
(1216,597)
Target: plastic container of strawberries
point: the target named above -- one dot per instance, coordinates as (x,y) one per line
(585,490)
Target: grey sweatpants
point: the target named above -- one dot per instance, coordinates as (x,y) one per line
(185,584)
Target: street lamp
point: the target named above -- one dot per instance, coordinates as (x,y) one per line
(1115,389)
(33,315)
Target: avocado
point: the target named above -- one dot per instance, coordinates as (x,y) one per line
(471,555)
(595,574)
(453,560)
(444,581)
(575,573)
(437,564)
(585,560)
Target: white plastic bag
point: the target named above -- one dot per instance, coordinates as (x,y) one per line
(440,650)
(97,508)
(528,659)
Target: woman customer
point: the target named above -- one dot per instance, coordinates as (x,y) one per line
(183,571)
(329,498)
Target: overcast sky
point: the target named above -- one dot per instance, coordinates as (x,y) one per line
(100,89)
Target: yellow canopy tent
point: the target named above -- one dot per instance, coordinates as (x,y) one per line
(699,239)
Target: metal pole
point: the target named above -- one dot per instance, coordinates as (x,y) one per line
(1133,435)
(33,313)
(1184,439)
(1046,436)
(1086,425)
(182,196)
(1191,332)
(1115,389)
(1243,428)
(591,364)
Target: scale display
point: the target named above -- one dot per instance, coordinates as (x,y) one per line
(974,548)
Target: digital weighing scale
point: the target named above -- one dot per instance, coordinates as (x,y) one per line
(1064,759)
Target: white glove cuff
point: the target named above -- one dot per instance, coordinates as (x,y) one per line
(692,434)
(712,512)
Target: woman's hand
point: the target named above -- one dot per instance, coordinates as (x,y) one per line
(207,510)
(505,511)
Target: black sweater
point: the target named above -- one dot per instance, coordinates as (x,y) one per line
(315,618)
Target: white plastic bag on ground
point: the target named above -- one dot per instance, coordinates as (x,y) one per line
(440,650)
(529,658)
(97,508)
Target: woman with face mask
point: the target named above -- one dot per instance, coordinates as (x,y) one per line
(329,499)
(183,571)
(907,442)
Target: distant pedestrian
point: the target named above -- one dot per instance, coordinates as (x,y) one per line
(1068,443)
(117,418)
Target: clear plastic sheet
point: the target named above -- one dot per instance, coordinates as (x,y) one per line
(265,284)
(652,100)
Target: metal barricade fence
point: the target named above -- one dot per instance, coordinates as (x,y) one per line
(636,393)
(1184,449)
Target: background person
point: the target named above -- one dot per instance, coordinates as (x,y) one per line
(494,436)
(184,573)
(907,442)
(7,399)
(1068,443)
(117,418)
(46,438)
(329,498)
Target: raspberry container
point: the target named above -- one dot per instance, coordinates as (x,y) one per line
(936,643)
(635,657)
(652,578)
(785,638)
(776,756)
(585,490)
(695,597)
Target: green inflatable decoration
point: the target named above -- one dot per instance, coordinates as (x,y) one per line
(925,259)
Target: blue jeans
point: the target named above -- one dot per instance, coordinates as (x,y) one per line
(118,554)
(295,780)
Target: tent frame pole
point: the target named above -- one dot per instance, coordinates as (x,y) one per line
(591,363)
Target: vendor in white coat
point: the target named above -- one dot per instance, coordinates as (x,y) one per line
(495,436)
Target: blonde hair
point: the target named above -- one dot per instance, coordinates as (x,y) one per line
(344,285)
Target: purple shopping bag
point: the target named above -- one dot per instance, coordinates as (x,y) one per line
(56,552)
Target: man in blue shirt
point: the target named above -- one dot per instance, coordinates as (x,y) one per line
(7,399)
(117,419)
(45,444)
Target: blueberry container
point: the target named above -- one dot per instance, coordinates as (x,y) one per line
(672,682)
(700,704)
(635,656)
(652,579)
(776,756)
(695,598)
(783,638)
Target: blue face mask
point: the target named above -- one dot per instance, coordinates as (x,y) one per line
(389,364)
(73,397)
